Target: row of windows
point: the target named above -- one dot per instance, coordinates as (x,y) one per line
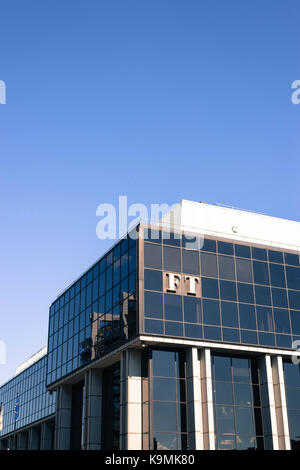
(194,242)
(223,334)
(220,313)
(106,289)
(75,318)
(221,266)
(27,392)
(119,252)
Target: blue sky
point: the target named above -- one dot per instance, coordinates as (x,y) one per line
(158,100)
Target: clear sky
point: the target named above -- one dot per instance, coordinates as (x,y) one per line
(159,100)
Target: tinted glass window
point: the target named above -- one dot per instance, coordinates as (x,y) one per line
(244,270)
(190,262)
(153,280)
(172,261)
(152,256)
(226,267)
(209,265)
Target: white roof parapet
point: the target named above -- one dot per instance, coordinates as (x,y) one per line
(236,224)
(36,357)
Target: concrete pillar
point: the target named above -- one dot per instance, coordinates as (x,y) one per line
(93,409)
(194,404)
(34,441)
(280,403)
(131,401)
(47,435)
(63,417)
(22,440)
(268,403)
(207,400)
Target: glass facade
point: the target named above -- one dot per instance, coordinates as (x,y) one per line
(249,295)
(165,400)
(237,403)
(96,314)
(25,399)
(292,387)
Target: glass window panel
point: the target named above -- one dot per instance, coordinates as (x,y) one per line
(153,305)
(153,280)
(259,253)
(248,337)
(247,317)
(240,369)
(294,299)
(295,321)
(213,333)
(244,270)
(281,320)
(191,242)
(173,307)
(242,394)
(193,331)
(164,416)
(262,295)
(229,314)
(261,273)
(171,238)
(242,251)
(164,389)
(172,259)
(225,420)
(283,341)
(292,259)
(228,290)
(209,265)
(173,328)
(210,288)
(209,245)
(225,248)
(152,256)
(154,235)
(163,363)
(222,368)
(226,267)
(292,375)
(293,277)
(154,326)
(190,262)
(245,293)
(211,312)
(277,275)
(279,297)
(275,256)
(231,335)
(264,319)
(294,423)
(266,339)
(223,393)
(192,310)
(244,420)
